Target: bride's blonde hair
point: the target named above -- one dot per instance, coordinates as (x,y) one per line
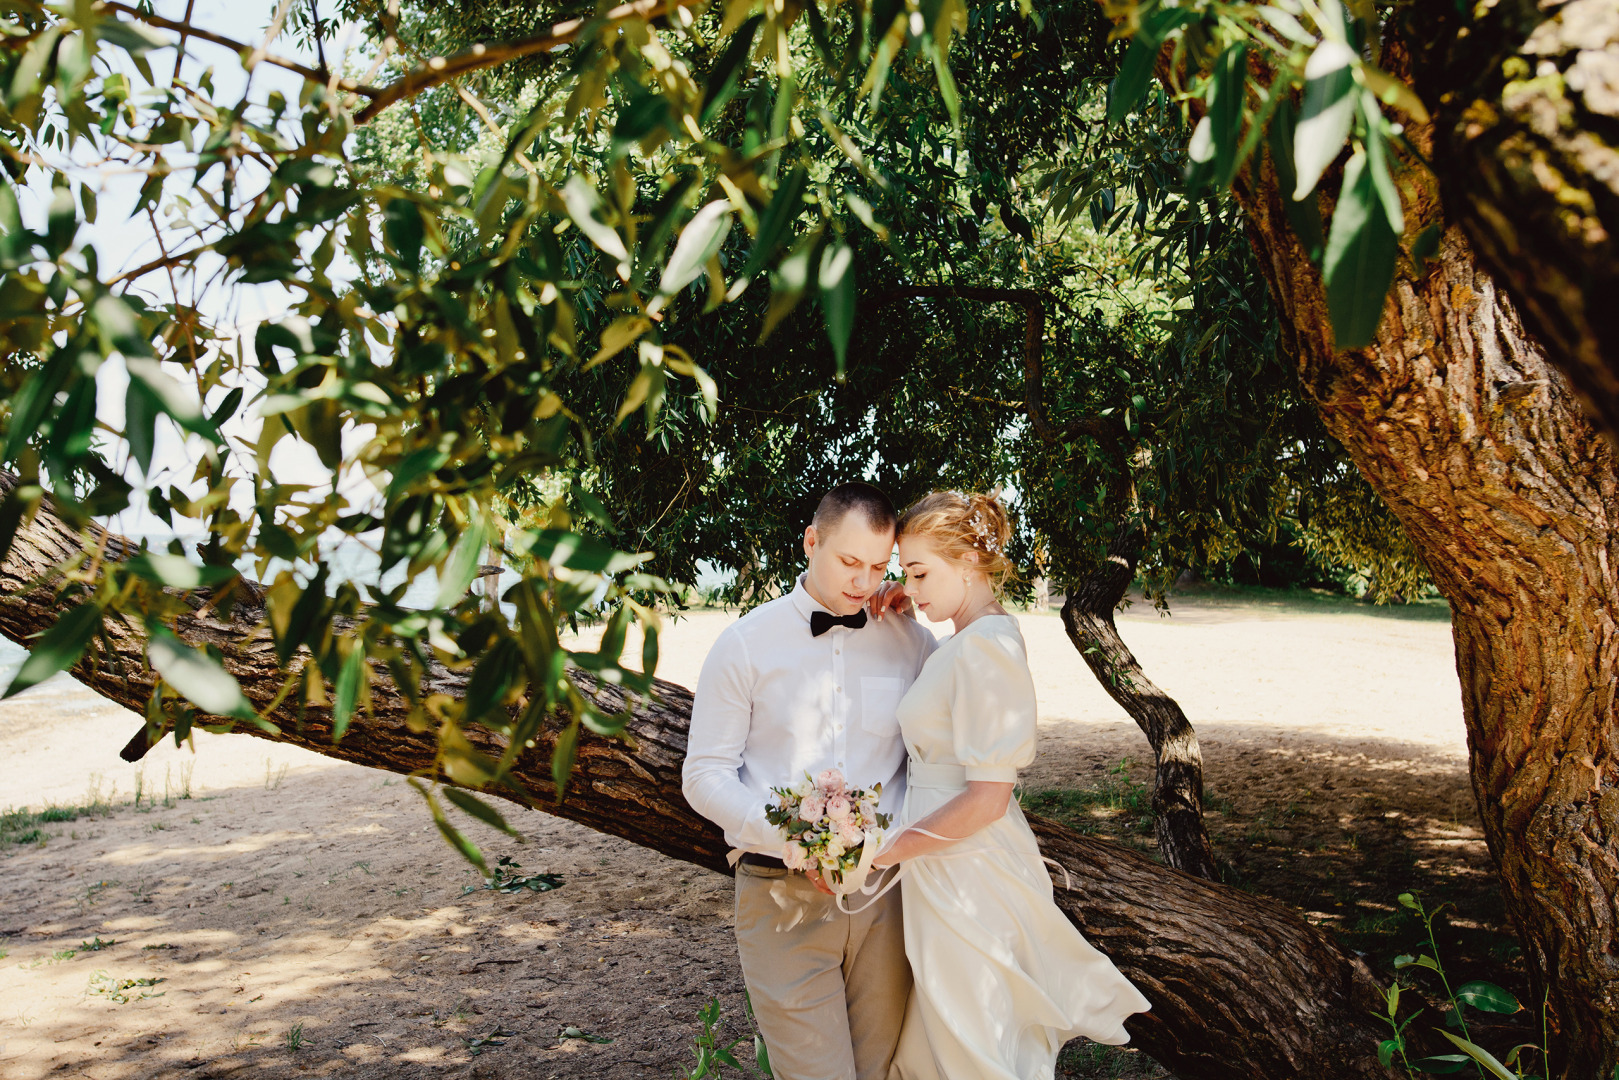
(963,523)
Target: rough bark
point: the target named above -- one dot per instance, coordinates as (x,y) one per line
(1477,444)
(1525,97)
(1177,790)
(1240,984)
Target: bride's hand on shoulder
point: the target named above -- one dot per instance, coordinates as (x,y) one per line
(889,597)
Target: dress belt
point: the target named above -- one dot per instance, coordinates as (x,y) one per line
(920,774)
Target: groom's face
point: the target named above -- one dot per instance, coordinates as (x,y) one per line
(846,562)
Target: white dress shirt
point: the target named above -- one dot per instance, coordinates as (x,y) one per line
(774,703)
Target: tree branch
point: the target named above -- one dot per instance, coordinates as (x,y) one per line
(441,69)
(1104,428)
(185,30)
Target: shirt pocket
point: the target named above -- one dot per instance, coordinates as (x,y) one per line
(879,705)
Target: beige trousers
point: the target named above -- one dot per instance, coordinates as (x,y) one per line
(828,989)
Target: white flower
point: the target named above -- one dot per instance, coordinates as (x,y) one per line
(834,849)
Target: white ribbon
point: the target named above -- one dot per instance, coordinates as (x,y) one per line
(869,855)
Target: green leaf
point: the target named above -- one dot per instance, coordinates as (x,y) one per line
(722,78)
(141,411)
(198,677)
(947,84)
(761,1054)
(1416,961)
(119,327)
(462,566)
(1287,26)
(699,241)
(774,222)
(1359,263)
(1441,1064)
(1226,91)
(168,395)
(583,204)
(1378,160)
(788,283)
(469,851)
(1327,114)
(1302,214)
(19,504)
(346,694)
(1386,1051)
(133,37)
(563,756)
(1135,74)
(58,648)
(836,279)
(1488,997)
(176,571)
(479,809)
(560,547)
(403,229)
(1480,1055)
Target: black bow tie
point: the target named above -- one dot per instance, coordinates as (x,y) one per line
(822,621)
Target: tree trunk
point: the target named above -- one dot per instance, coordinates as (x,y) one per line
(1240,984)
(1525,97)
(1177,789)
(1478,446)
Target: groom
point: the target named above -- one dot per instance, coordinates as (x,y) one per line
(801,684)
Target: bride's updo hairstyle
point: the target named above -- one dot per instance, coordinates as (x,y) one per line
(960,524)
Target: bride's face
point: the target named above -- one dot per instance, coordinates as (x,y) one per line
(936,586)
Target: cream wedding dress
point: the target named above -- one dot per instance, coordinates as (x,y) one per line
(1003,979)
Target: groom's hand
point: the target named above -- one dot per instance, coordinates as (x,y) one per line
(890,596)
(814,876)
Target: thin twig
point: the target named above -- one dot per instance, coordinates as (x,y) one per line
(180,49)
(441,69)
(238,47)
(270,34)
(489,121)
(159,264)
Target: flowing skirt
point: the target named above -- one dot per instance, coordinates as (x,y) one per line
(1003,979)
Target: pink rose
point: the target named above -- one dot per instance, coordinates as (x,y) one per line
(868,812)
(831,782)
(812,808)
(794,855)
(838,808)
(851,834)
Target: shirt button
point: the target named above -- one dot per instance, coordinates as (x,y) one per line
(837,652)
(839,689)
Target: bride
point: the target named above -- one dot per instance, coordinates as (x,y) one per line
(1002,978)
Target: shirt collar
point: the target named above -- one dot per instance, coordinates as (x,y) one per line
(805,603)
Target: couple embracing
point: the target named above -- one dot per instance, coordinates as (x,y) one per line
(968,970)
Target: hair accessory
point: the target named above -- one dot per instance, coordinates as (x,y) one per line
(983,533)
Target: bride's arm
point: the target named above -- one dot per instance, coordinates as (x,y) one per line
(982,804)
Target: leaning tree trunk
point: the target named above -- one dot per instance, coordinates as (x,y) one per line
(1240,984)
(1478,446)
(1177,790)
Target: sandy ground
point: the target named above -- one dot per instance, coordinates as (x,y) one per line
(301,916)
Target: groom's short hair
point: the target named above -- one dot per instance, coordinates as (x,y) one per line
(868,501)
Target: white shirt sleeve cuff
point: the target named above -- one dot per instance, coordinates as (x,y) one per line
(992,774)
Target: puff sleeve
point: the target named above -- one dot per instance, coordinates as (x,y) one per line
(992,709)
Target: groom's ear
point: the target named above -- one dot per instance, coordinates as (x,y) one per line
(810,540)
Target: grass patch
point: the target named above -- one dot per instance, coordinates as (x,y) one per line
(1117,804)
(22,827)
(1085,1060)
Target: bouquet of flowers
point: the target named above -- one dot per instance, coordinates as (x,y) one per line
(830,826)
